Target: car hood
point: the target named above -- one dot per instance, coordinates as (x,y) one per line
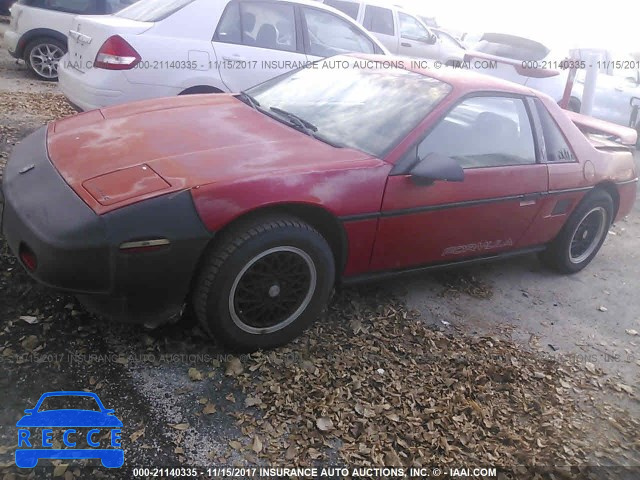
(123,154)
(69,418)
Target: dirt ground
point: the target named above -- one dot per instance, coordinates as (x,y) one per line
(501,365)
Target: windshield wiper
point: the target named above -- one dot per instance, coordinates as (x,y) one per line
(248,99)
(301,122)
(307,127)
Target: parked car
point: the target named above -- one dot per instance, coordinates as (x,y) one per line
(144,51)
(618,81)
(38,30)
(251,206)
(400,31)
(617,84)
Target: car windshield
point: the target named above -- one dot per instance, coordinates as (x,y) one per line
(65,402)
(369,109)
(152,10)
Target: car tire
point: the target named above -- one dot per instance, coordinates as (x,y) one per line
(264,283)
(582,236)
(42,56)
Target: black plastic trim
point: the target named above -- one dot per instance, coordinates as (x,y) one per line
(78,250)
(470,203)
(389,274)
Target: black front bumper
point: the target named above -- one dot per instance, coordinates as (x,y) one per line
(78,251)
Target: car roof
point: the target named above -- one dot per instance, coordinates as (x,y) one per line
(377,3)
(460,78)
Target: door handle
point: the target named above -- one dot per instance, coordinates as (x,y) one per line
(530,199)
(405,44)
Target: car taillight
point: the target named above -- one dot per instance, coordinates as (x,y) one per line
(116,54)
(28,258)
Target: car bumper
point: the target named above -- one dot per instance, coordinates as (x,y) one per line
(11,40)
(79,251)
(97,88)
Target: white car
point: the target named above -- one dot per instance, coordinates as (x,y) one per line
(400,31)
(154,49)
(38,29)
(618,81)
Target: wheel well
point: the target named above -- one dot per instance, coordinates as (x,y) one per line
(611,189)
(200,89)
(322,220)
(36,33)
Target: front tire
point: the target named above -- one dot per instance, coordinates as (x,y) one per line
(42,56)
(264,282)
(582,236)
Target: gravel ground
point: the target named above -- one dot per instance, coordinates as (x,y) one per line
(502,365)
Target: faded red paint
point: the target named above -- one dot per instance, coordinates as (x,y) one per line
(236,160)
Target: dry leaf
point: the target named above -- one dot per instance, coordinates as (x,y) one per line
(59,470)
(136,435)
(179,426)
(209,409)
(252,401)
(29,319)
(626,388)
(30,343)
(324,423)
(195,375)
(235,445)
(291,452)
(234,367)
(257,445)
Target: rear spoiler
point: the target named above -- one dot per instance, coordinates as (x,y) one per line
(518,65)
(624,135)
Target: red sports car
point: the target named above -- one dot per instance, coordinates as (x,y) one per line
(251,207)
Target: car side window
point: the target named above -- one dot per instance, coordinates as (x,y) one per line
(556,147)
(331,35)
(259,24)
(83,7)
(348,8)
(484,132)
(411,28)
(379,20)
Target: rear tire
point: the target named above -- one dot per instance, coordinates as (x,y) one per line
(582,236)
(264,283)
(42,56)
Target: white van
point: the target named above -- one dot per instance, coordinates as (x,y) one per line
(400,31)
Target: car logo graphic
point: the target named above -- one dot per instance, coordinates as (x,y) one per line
(33,445)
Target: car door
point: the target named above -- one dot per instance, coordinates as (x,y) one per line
(256,41)
(415,39)
(380,21)
(326,34)
(491,137)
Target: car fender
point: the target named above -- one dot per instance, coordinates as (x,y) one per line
(36,33)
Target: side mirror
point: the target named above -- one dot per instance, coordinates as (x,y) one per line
(109,411)
(29,410)
(436,167)
(430,39)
